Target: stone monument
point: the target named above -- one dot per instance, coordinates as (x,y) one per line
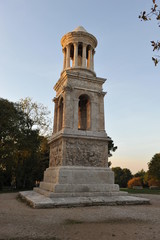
(78,172)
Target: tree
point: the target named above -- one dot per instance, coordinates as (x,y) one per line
(147,16)
(136,181)
(122,176)
(154,167)
(143,175)
(153,182)
(111,147)
(23,152)
(38,113)
(12,126)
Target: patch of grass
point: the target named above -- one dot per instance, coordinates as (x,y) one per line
(72,222)
(142,191)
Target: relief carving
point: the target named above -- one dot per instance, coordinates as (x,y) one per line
(56,153)
(86,153)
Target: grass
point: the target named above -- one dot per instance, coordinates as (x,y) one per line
(143,191)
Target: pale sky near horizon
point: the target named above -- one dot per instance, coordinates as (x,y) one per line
(31,61)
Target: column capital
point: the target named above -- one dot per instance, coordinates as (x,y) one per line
(75,43)
(85,44)
(67,88)
(101,94)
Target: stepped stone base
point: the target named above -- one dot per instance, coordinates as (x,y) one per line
(69,186)
(37,200)
(77,181)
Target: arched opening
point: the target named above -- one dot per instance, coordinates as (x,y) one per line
(84,113)
(80,54)
(71,55)
(60,108)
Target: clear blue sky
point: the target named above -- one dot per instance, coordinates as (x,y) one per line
(31,60)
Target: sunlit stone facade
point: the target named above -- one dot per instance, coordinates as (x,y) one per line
(79,144)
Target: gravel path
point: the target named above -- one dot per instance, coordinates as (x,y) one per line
(19,221)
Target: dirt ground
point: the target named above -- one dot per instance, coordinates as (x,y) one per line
(19,221)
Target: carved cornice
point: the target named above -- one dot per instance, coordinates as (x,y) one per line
(79,36)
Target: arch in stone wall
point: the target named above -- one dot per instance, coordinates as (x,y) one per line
(84,112)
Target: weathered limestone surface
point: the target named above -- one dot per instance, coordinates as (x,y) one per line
(78,152)
(78,172)
(37,200)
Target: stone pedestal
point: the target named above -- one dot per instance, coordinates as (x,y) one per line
(75,181)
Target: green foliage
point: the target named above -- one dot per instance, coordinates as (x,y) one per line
(144,177)
(111,148)
(122,176)
(147,16)
(140,191)
(38,113)
(20,148)
(154,167)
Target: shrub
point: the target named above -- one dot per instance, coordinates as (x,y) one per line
(136,181)
(153,182)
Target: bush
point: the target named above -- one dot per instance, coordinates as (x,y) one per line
(136,181)
(154,182)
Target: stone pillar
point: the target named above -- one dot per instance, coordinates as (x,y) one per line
(93,52)
(57,123)
(55,100)
(64,58)
(94,115)
(101,112)
(68,56)
(90,58)
(84,55)
(66,107)
(75,54)
(76,103)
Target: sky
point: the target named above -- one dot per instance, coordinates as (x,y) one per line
(31,61)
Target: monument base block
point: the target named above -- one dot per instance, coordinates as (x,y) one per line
(69,186)
(37,200)
(77,181)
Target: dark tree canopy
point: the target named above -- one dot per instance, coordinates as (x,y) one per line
(122,176)
(22,154)
(154,167)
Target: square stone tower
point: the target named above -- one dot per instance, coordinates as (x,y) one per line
(79,145)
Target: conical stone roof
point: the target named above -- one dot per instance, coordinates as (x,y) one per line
(79,29)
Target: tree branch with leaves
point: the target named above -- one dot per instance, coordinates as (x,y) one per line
(147,16)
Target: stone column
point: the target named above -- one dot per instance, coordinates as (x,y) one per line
(101,112)
(76,102)
(94,115)
(84,55)
(55,100)
(66,107)
(57,123)
(93,52)
(64,58)
(90,58)
(68,56)
(75,54)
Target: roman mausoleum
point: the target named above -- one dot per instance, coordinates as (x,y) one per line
(78,172)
